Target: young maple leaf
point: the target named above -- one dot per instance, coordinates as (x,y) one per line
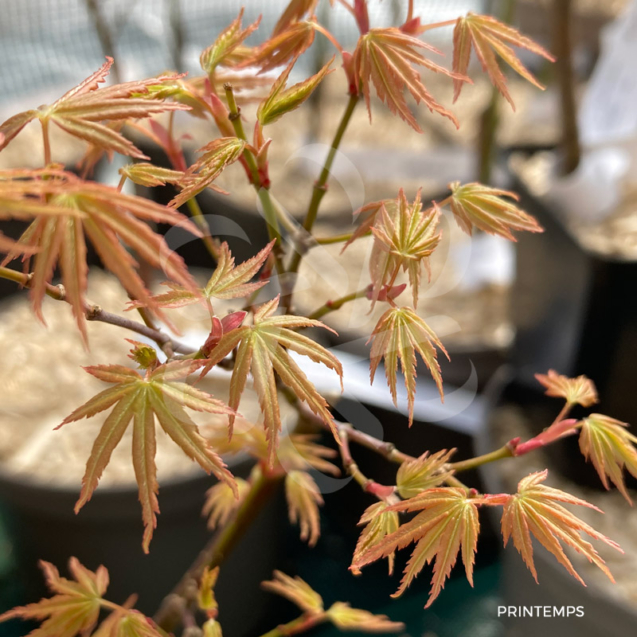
(345,618)
(74,607)
(281,100)
(144,174)
(220,52)
(222,501)
(294,12)
(483,207)
(158,395)
(489,37)
(284,46)
(387,59)
(82,110)
(404,238)
(227,281)
(216,156)
(447,522)
(535,510)
(66,208)
(263,350)
(427,471)
(379,522)
(610,447)
(296,590)
(398,335)
(576,391)
(304,499)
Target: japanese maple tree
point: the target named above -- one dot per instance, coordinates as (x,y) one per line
(259,344)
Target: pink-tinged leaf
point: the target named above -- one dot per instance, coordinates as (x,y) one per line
(536,511)
(295,590)
(576,391)
(10,128)
(378,523)
(294,12)
(398,335)
(388,60)
(144,174)
(155,397)
(304,499)
(483,207)
(446,523)
(490,38)
(222,502)
(608,444)
(281,100)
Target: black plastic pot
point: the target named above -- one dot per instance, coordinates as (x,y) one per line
(603,614)
(108,531)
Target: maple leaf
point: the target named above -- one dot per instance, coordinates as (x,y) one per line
(227,281)
(427,471)
(216,157)
(284,46)
(576,391)
(610,447)
(387,59)
(366,215)
(490,38)
(398,335)
(379,522)
(226,44)
(447,523)
(304,498)
(130,623)
(535,510)
(66,208)
(404,238)
(344,617)
(222,501)
(144,399)
(281,100)
(81,110)
(144,174)
(296,590)
(475,205)
(74,607)
(262,349)
(294,12)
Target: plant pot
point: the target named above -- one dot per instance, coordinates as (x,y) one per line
(603,614)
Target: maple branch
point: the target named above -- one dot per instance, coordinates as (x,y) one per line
(198,217)
(337,238)
(218,548)
(465,465)
(332,306)
(320,186)
(96,313)
(299,625)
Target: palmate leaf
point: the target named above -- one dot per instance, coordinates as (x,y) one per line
(148,175)
(294,12)
(535,510)
(398,335)
(262,350)
(296,590)
(379,522)
(427,471)
(281,100)
(74,607)
(156,396)
(221,50)
(483,207)
(576,391)
(447,524)
(490,38)
(404,238)
(304,499)
(216,157)
(82,110)
(222,501)
(611,448)
(387,58)
(227,281)
(68,208)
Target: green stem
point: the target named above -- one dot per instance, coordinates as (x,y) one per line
(219,547)
(47,143)
(296,626)
(465,465)
(332,306)
(199,218)
(320,187)
(337,238)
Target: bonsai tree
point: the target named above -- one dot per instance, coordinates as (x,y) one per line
(64,210)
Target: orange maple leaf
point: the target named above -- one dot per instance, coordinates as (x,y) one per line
(576,391)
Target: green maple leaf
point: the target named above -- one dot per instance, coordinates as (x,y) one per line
(157,396)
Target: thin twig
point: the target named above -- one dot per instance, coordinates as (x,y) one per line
(337,304)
